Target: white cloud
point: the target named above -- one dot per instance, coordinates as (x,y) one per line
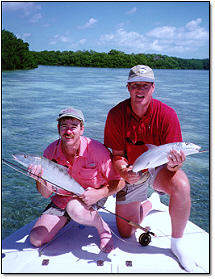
(162,32)
(155,46)
(60,39)
(132,11)
(35,18)
(82,41)
(192,25)
(26,7)
(78,44)
(185,38)
(164,39)
(66,39)
(123,38)
(92,21)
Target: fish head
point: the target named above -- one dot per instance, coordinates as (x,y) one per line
(26,159)
(192,146)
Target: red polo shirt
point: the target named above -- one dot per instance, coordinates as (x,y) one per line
(125,131)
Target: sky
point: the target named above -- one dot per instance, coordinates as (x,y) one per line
(179,29)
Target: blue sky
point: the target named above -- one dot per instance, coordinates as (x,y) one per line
(170,28)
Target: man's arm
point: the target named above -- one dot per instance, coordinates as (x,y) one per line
(91,195)
(122,167)
(43,187)
(175,162)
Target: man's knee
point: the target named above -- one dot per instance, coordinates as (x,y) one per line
(181,182)
(170,182)
(74,209)
(38,236)
(124,229)
(79,212)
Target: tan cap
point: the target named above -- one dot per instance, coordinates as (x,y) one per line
(141,73)
(71,112)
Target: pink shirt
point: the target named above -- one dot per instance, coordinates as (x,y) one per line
(92,167)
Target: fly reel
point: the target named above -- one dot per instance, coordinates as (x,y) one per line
(145,238)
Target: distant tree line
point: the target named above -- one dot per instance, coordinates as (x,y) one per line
(116,59)
(16,55)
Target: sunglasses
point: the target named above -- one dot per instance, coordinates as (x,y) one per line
(139,142)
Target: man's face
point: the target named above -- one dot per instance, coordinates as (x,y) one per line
(140,92)
(70,130)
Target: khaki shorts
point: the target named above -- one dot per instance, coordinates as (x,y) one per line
(138,191)
(53,209)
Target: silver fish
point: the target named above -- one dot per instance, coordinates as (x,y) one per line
(52,172)
(158,155)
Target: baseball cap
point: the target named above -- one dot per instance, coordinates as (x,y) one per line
(141,73)
(71,112)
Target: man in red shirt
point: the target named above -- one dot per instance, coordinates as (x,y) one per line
(132,124)
(90,164)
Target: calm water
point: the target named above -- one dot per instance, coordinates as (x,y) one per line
(32,99)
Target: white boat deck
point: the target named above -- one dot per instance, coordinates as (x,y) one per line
(76,250)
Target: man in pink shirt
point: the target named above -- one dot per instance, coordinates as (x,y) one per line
(89,163)
(132,124)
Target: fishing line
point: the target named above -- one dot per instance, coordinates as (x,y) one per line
(137,226)
(27,173)
(37,177)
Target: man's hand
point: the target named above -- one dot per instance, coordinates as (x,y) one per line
(176,160)
(128,175)
(35,171)
(91,196)
(122,167)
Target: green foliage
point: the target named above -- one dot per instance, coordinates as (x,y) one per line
(15,53)
(117,59)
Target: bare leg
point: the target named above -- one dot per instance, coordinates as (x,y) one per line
(146,207)
(83,215)
(46,228)
(135,212)
(130,211)
(177,186)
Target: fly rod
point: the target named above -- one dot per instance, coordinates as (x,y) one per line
(39,178)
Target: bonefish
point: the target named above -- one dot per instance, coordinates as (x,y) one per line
(51,172)
(158,155)
(58,176)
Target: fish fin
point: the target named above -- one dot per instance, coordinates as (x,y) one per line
(151,146)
